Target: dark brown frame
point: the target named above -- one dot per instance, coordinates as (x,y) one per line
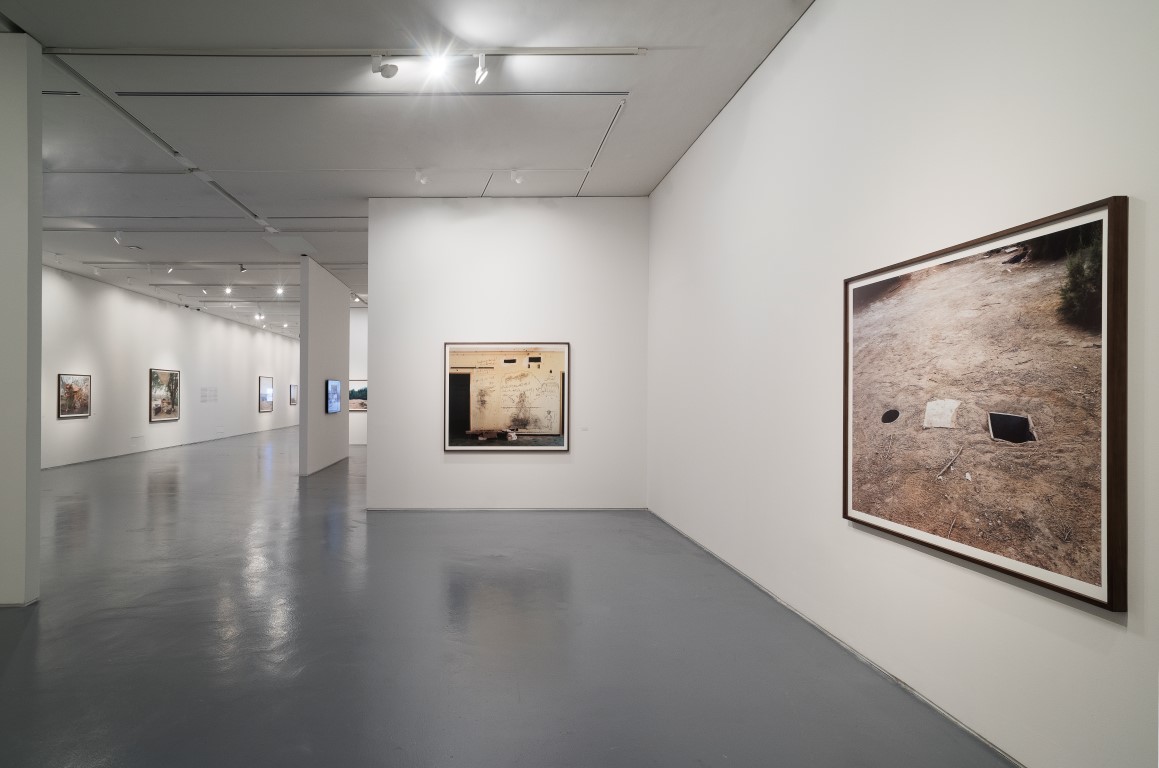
(326,397)
(1115,388)
(271,408)
(565,417)
(293,394)
(150,398)
(59,381)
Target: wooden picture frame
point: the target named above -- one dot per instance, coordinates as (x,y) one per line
(73,395)
(986,401)
(506,396)
(265,394)
(164,395)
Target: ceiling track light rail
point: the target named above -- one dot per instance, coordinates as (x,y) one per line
(348,52)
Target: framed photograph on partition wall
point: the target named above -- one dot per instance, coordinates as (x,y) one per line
(505,397)
(333,396)
(357,399)
(164,395)
(985,401)
(265,394)
(73,396)
(293,394)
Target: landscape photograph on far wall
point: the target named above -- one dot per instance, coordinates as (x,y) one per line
(979,418)
(73,396)
(265,394)
(506,397)
(357,401)
(164,395)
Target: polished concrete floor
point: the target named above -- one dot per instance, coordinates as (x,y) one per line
(202,607)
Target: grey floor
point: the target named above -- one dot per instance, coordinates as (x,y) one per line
(202,607)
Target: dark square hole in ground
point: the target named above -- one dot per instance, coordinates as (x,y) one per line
(1011,428)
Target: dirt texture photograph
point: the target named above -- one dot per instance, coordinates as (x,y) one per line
(976,391)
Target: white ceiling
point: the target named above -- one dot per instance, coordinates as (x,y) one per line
(299,132)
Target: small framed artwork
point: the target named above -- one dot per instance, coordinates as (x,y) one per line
(73,396)
(333,396)
(986,401)
(293,394)
(357,400)
(265,394)
(164,395)
(506,397)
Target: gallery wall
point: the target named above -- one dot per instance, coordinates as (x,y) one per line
(877,132)
(358,352)
(116,336)
(507,270)
(324,438)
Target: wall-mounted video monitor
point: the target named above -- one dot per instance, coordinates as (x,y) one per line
(333,396)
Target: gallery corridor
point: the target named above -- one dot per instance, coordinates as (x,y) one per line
(202,606)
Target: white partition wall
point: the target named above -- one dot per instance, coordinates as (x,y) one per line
(358,351)
(325,437)
(20,206)
(115,337)
(492,270)
(877,132)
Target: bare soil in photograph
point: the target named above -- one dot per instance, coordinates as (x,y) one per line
(988,334)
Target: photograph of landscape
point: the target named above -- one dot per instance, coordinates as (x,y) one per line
(976,402)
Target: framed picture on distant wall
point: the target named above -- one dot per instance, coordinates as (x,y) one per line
(265,394)
(73,396)
(986,401)
(333,396)
(164,395)
(293,394)
(357,400)
(506,397)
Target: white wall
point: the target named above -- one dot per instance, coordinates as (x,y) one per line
(325,437)
(877,132)
(116,336)
(358,369)
(20,206)
(538,270)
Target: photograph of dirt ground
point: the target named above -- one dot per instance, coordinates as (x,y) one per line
(1014,331)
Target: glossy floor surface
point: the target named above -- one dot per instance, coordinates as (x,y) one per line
(201,606)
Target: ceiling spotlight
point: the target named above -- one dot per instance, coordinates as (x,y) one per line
(229,289)
(133,247)
(281,290)
(285,325)
(517,177)
(129,280)
(242,267)
(205,291)
(438,65)
(422,178)
(169,271)
(257,316)
(97,271)
(481,70)
(383,67)
(119,237)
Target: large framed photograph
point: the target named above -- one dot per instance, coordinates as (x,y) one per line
(357,399)
(985,401)
(164,395)
(73,392)
(265,394)
(506,397)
